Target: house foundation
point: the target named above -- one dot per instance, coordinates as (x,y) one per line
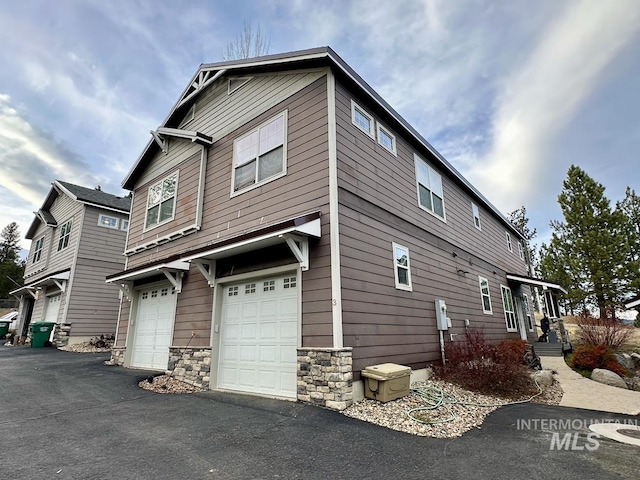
(117,356)
(191,365)
(325,377)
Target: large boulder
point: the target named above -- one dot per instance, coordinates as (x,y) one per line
(625,360)
(608,377)
(544,378)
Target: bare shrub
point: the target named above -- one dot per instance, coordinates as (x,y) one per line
(478,365)
(605,332)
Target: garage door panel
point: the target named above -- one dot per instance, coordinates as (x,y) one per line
(260,321)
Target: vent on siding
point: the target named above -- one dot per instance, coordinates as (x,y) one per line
(236,82)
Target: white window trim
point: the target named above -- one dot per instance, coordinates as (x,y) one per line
(285,133)
(371,131)
(122,225)
(401,286)
(488,295)
(175,202)
(393,148)
(476,214)
(442,218)
(504,288)
(115,227)
(38,251)
(527,312)
(66,234)
(520,250)
(235,89)
(509,244)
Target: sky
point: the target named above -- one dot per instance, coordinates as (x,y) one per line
(511,92)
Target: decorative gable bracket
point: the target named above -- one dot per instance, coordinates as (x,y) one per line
(300,248)
(126,288)
(175,281)
(61,284)
(208,270)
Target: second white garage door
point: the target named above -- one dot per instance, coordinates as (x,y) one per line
(259,336)
(153,328)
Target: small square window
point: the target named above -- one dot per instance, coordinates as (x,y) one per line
(476,216)
(124,225)
(233,291)
(145,295)
(290,282)
(108,221)
(386,139)
(154,293)
(269,285)
(361,119)
(250,288)
(164,292)
(401,267)
(509,245)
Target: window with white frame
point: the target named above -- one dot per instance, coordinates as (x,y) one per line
(521,250)
(38,246)
(486,295)
(509,310)
(476,216)
(161,201)
(527,312)
(429,183)
(108,221)
(260,155)
(65,234)
(386,139)
(361,119)
(401,267)
(509,244)
(124,225)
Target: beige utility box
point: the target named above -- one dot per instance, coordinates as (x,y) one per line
(386,382)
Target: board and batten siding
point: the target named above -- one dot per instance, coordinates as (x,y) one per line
(304,189)
(368,170)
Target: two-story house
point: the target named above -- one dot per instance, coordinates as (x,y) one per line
(289,228)
(77,238)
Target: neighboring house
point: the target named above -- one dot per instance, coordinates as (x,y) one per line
(289,228)
(633,303)
(77,238)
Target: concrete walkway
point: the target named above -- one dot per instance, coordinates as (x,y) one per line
(581,392)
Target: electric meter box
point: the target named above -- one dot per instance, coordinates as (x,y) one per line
(386,382)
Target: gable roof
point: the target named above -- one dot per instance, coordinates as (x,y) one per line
(208,73)
(88,196)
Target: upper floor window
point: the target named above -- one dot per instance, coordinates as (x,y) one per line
(361,119)
(486,296)
(38,246)
(124,225)
(386,139)
(521,250)
(509,311)
(476,216)
(429,182)
(107,221)
(509,244)
(260,156)
(161,201)
(401,267)
(65,234)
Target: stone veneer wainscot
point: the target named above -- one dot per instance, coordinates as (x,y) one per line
(325,377)
(192,365)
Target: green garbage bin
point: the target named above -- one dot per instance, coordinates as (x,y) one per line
(4,329)
(40,332)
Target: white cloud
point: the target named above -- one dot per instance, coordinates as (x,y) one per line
(540,97)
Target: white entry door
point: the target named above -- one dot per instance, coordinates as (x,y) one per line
(53,307)
(153,328)
(259,336)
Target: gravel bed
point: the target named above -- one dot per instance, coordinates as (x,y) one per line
(165,384)
(84,348)
(393,414)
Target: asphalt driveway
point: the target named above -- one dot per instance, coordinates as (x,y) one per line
(66,415)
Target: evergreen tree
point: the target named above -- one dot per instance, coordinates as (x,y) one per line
(630,206)
(591,244)
(519,219)
(11,266)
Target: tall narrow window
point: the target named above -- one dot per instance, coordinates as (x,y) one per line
(476,215)
(521,250)
(429,182)
(65,234)
(260,156)
(401,267)
(509,245)
(37,249)
(527,312)
(161,201)
(509,311)
(485,295)
(361,119)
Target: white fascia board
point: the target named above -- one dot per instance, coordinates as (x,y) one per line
(633,304)
(177,265)
(539,283)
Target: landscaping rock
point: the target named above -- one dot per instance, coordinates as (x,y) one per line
(625,360)
(544,378)
(608,377)
(633,383)
(636,359)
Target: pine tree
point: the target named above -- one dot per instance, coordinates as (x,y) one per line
(590,245)
(630,206)
(519,219)
(11,266)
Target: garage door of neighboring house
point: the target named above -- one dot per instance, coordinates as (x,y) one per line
(53,307)
(153,329)
(259,336)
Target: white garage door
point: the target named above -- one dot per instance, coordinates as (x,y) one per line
(259,336)
(153,328)
(53,307)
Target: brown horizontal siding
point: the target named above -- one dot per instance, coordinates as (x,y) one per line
(123,322)
(193,311)
(101,243)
